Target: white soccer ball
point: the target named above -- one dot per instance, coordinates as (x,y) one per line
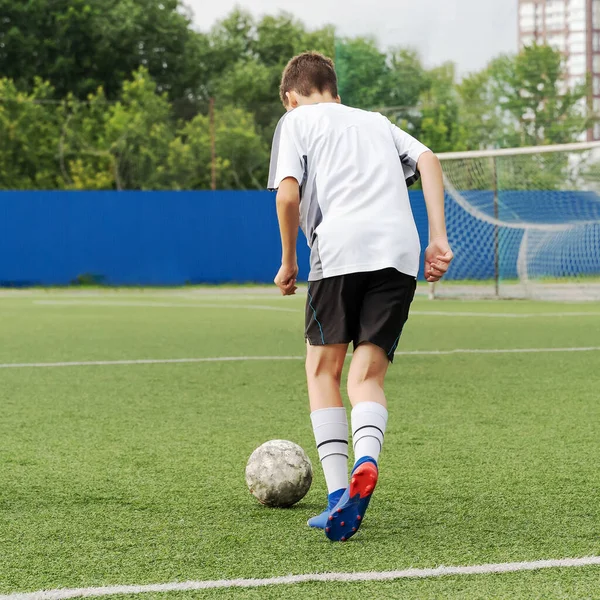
(279,473)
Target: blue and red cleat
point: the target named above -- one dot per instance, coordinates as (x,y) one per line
(320,521)
(345,519)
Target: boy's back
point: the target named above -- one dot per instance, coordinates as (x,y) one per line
(352,166)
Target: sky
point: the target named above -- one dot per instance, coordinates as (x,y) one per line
(468,32)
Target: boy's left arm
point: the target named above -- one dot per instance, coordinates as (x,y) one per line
(417,160)
(438,254)
(288,214)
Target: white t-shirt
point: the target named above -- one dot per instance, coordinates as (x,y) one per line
(353,168)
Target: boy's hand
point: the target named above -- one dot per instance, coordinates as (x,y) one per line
(438,257)
(285,279)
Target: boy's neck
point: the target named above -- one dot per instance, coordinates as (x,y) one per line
(295,99)
(317,98)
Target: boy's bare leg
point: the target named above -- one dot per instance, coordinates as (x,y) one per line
(324,366)
(369,419)
(369,407)
(367,373)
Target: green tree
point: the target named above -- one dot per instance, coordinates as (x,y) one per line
(431,110)
(406,81)
(135,80)
(117,145)
(363,73)
(531,89)
(30,128)
(277,39)
(479,113)
(440,126)
(249,57)
(253,87)
(230,40)
(241,154)
(80,45)
(522,101)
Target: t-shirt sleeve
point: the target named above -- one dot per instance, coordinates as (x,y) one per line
(286,156)
(409,150)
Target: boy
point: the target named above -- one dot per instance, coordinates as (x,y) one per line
(342,175)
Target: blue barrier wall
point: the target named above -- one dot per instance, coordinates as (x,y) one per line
(141,238)
(135,238)
(173,238)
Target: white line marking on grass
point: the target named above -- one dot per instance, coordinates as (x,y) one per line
(420,313)
(134,292)
(495,351)
(183,586)
(217,359)
(147,361)
(441,313)
(135,304)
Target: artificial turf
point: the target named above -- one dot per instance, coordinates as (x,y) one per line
(134,474)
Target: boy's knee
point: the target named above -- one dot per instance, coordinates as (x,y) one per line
(363,373)
(320,364)
(320,369)
(359,384)
(355,381)
(367,367)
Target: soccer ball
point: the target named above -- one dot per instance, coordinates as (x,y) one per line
(279,473)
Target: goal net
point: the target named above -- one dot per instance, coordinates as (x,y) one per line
(524,223)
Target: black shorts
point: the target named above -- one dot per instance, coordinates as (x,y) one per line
(359,307)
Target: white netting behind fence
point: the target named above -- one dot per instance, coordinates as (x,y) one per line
(524,223)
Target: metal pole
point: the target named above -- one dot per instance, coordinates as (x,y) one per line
(589,51)
(213,145)
(496,230)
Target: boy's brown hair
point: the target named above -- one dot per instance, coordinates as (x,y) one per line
(306,73)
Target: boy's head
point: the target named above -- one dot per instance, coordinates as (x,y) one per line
(308,78)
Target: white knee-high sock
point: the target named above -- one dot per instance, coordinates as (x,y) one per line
(369,420)
(330,426)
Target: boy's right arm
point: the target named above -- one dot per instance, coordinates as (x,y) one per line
(285,175)
(438,254)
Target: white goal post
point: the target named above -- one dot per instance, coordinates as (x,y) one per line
(523,222)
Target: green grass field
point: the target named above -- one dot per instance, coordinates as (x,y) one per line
(134,473)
